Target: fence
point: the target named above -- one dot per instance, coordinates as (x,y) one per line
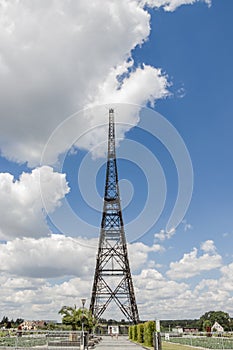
(203,340)
(43,339)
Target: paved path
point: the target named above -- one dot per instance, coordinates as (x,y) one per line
(122,342)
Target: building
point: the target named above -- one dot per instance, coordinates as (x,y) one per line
(190,330)
(177,329)
(217,328)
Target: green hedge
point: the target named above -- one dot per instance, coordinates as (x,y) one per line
(134,333)
(143,333)
(149,328)
(130,332)
(140,332)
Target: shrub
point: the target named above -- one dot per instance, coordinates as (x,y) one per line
(140,332)
(135,334)
(130,332)
(149,328)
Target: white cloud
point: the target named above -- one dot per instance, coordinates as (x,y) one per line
(57,58)
(139,255)
(59,255)
(191,264)
(31,262)
(171,5)
(21,203)
(186,225)
(163,298)
(226,280)
(163,235)
(208,246)
(32,283)
(157,295)
(38,298)
(130,90)
(48,257)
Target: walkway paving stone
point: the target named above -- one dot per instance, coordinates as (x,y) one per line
(122,342)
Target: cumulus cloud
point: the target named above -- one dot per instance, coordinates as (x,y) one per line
(165,298)
(47,273)
(212,292)
(156,287)
(48,257)
(208,246)
(28,263)
(191,264)
(163,235)
(57,58)
(59,255)
(171,5)
(21,203)
(130,90)
(226,280)
(29,297)
(139,255)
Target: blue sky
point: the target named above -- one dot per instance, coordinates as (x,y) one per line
(201,60)
(59,75)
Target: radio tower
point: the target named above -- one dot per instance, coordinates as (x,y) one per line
(113,280)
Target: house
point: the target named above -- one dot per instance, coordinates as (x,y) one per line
(177,329)
(27,325)
(190,330)
(217,328)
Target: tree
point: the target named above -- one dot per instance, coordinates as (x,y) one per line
(75,317)
(206,326)
(18,321)
(4,321)
(221,317)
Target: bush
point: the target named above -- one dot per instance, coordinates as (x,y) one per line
(140,332)
(130,332)
(149,328)
(135,334)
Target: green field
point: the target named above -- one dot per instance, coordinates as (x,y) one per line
(204,342)
(22,342)
(194,343)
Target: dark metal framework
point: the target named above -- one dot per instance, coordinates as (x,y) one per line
(113,280)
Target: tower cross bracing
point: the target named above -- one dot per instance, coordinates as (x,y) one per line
(113,279)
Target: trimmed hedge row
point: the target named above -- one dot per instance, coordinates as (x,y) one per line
(134,333)
(142,333)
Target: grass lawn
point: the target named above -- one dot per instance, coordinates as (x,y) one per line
(195,342)
(169,346)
